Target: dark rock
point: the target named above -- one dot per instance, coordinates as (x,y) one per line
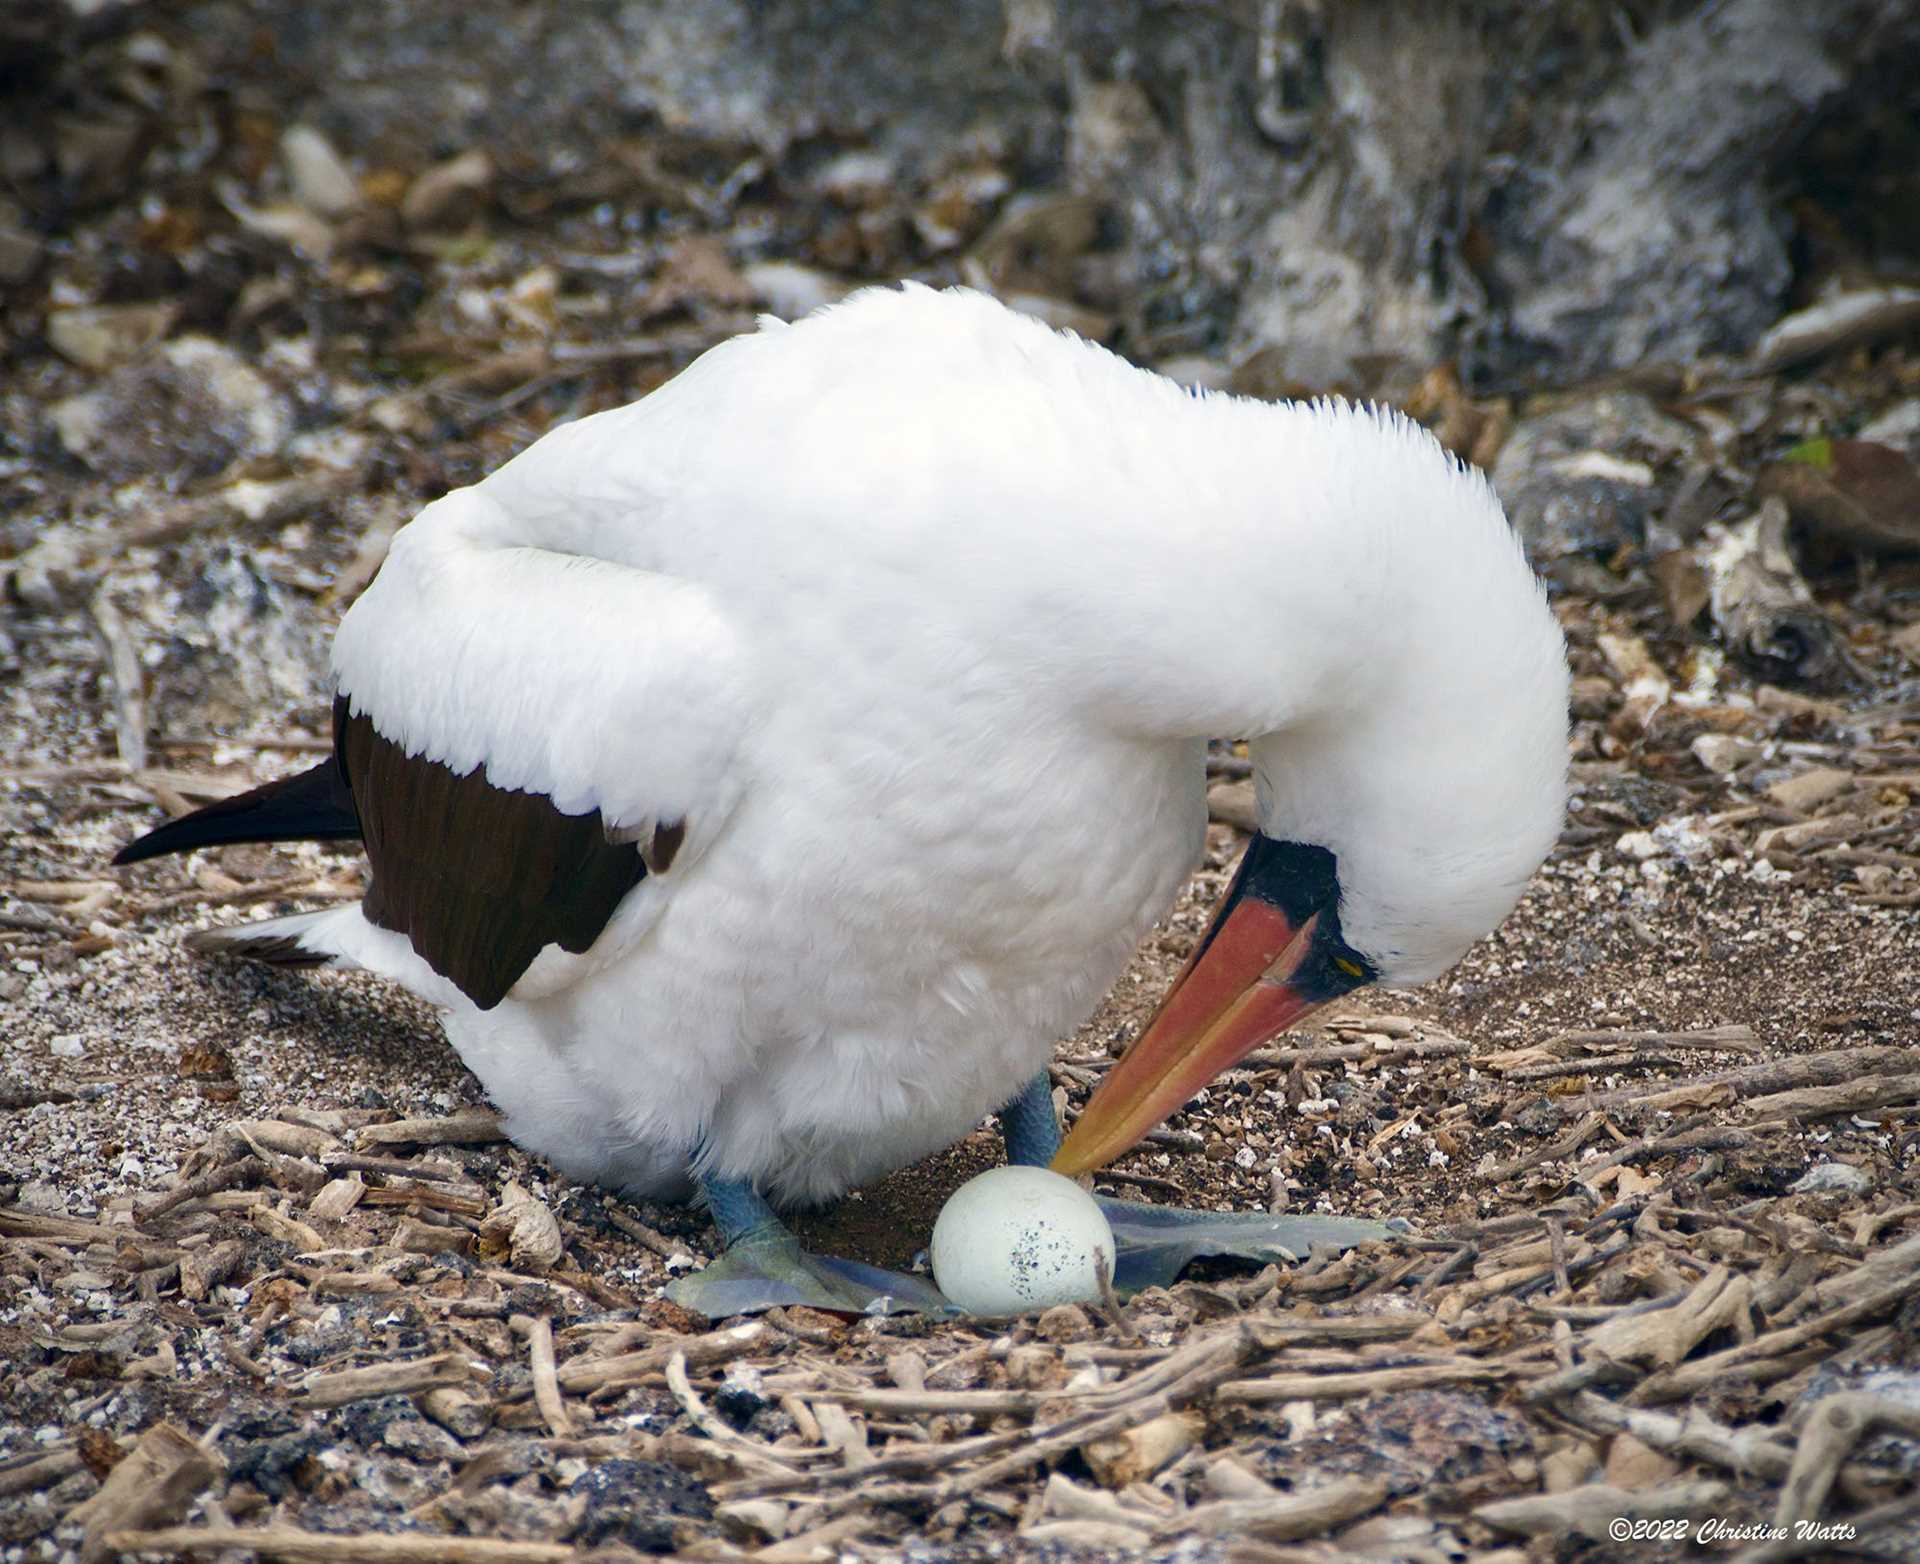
(274,1466)
(1582,481)
(366,1422)
(1537,1116)
(637,1502)
(737,1403)
(316,1347)
(187,410)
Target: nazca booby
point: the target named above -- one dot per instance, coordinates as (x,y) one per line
(763,776)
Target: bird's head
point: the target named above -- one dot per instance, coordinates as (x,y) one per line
(1402,812)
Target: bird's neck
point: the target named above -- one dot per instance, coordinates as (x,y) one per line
(1290,564)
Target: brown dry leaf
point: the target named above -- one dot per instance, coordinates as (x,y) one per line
(205,1061)
(1858,492)
(1631,1464)
(100,1451)
(1689,1098)
(1907,643)
(1684,585)
(99,336)
(524,1230)
(697,271)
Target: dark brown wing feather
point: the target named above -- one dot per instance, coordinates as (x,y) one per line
(479,878)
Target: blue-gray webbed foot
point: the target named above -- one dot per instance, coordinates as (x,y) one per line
(762,1266)
(1153,1243)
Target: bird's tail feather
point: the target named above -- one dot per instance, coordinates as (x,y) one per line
(298,940)
(312,806)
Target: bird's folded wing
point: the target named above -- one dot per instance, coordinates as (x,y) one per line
(528,735)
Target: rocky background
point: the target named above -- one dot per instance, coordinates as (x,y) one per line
(272,275)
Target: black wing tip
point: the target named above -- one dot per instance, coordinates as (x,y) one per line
(311,805)
(279,950)
(139,850)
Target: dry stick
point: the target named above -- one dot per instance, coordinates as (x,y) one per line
(1836,1425)
(1814,1102)
(538,1330)
(1600,1064)
(348,1162)
(223,1177)
(294,1546)
(468,1127)
(804,1546)
(1465,1255)
(1685,1378)
(1865,1525)
(152,1485)
(386,1379)
(1285,1517)
(102,770)
(41,1472)
(716,1428)
(1706,1138)
(1153,1393)
(69,1231)
(1364,1382)
(123,672)
(1821,1069)
(637,1230)
(213,741)
(1566,1146)
(1336,1053)
(979,1403)
(289,887)
(582,1375)
(1694,1436)
(1735,1038)
(1166,1186)
(1110,1299)
(1194,1368)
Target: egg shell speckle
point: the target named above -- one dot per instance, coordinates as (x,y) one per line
(1016,1239)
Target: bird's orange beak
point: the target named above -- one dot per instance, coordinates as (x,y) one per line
(1256,972)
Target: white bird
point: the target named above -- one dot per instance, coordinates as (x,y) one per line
(763,776)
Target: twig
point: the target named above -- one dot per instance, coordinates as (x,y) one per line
(1285,1517)
(241,1171)
(1866,1524)
(715,1427)
(1710,1137)
(1109,1299)
(385,1379)
(1365,1382)
(1282,1059)
(1835,1426)
(123,672)
(639,1232)
(467,1127)
(538,1330)
(294,1546)
(1566,1146)
(1685,1378)
(580,1376)
(1735,1039)
(43,1471)
(1818,1102)
(1821,1069)
(292,887)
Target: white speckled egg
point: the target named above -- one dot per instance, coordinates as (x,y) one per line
(1016,1239)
